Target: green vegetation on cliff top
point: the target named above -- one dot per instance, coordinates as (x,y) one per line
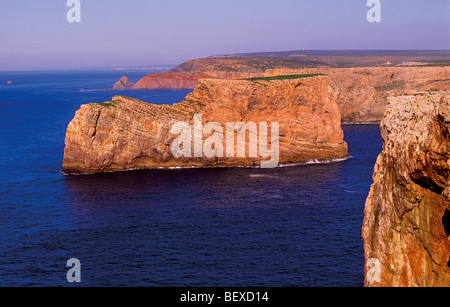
(284,77)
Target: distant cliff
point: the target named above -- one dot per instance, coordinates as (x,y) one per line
(407,215)
(362,92)
(173,80)
(167,80)
(126,133)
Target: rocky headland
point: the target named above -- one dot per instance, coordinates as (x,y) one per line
(126,133)
(407,215)
(362,92)
(174,80)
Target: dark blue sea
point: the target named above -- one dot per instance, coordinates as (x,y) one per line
(235,227)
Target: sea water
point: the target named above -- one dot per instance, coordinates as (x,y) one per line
(288,226)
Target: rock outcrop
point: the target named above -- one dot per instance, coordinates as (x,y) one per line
(362,92)
(123,84)
(167,80)
(127,133)
(407,216)
(188,80)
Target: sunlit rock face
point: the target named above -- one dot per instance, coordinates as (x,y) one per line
(407,215)
(127,133)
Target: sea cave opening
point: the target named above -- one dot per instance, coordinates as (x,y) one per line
(446,222)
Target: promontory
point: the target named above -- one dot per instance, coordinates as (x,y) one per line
(127,133)
(406,229)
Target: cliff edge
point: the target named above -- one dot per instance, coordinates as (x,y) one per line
(406,229)
(127,133)
(362,92)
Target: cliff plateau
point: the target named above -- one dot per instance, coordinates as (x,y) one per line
(362,92)
(126,133)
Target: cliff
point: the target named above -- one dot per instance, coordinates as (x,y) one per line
(407,214)
(167,80)
(173,80)
(362,92)
(127,133)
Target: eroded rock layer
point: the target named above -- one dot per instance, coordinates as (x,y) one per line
(362,92)
(127,133)
(407,216)
(187,80)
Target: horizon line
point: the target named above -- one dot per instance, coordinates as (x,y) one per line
(240,54)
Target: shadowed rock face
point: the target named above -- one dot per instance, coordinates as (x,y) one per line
(407,215)
(127,133)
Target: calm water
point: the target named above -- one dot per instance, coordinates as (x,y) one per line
(290,226)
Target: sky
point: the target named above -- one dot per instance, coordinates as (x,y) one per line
(35,35)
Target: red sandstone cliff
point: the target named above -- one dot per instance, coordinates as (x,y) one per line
(172,80)
(127,133)
(407,216)
(168,80)
(362,92)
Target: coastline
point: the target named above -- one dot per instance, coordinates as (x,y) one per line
(281,165)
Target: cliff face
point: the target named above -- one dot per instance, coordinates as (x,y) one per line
(168,80)
(127,133)
(173,80)
(407,215)
(362,92)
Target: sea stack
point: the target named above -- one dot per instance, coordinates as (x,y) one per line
(123,84)
(127,133)
(406,230)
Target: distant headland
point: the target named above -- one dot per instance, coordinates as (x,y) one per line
(360,80)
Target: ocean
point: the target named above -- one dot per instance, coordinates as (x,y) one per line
(297,226)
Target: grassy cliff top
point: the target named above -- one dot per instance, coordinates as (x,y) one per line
(284,77)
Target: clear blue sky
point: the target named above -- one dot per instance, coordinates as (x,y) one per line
(36,35)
